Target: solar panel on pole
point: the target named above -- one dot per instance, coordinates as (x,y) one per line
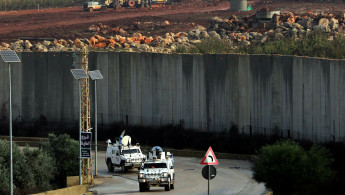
(79,74)
(9,56)
(95,75)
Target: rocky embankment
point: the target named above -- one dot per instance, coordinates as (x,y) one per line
(241,31)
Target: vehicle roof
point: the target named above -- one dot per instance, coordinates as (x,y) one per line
(156,161)
(125,148)
(92,2)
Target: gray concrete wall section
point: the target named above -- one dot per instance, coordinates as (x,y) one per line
(232,91)
(297,97)
(244,80)
(341,101)
(287,94)
(293,96)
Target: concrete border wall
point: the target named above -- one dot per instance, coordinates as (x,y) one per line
(291,96)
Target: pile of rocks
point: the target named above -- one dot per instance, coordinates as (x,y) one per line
(240,31)
(136,42)
(101,29)
(248,30)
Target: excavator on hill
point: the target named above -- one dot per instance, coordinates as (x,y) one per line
(132,3)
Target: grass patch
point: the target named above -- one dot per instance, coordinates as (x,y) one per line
(316,44)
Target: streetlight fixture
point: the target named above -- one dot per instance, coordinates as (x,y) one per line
(95,75)
(9,57)
(79,74)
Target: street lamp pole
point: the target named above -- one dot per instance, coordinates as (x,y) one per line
(79,92)
(9,56)
(95,75)
(10,104)
(96,127)
(79,74)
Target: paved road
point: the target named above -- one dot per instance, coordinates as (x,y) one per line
(233,177)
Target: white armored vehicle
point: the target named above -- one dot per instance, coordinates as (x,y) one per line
(123,154)
(158,170)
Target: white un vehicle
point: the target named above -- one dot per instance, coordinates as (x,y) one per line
(158,170)
(123,154)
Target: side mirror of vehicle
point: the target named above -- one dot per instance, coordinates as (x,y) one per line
(142,167)
(171,167)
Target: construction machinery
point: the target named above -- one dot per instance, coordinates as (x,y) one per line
(93,5)
(133,3)
(125,3)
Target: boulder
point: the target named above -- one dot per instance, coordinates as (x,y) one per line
(333,24)
(40,48)
(182,39)
(92,28)
(204,35)
(215,20)
(122,32)
(86,41)
(144,47)
(193,36)
(173,47)
(78,43)
(200,28)
(307,23)
(27,44)
(5,45)
(214,34)
(56,48)
(17,46)
(46,43)
(323,25)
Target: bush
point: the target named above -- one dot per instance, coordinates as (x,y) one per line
(315,44)
(65,151)
(30,172)
(287,168)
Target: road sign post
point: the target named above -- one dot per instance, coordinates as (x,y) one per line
(208,180)
(209,172)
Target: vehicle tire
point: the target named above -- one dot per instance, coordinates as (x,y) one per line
(90,9)
(142,187)
(172,186)
(110,166)
(131,3)
(124,169)
(167,187)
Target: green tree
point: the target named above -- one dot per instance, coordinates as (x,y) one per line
(64,151)
(286,168)
(30,174)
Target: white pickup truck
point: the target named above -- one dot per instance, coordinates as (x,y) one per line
(123,154)
(158,170)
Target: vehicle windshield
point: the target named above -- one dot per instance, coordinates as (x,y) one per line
(155,165)
(130,151)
